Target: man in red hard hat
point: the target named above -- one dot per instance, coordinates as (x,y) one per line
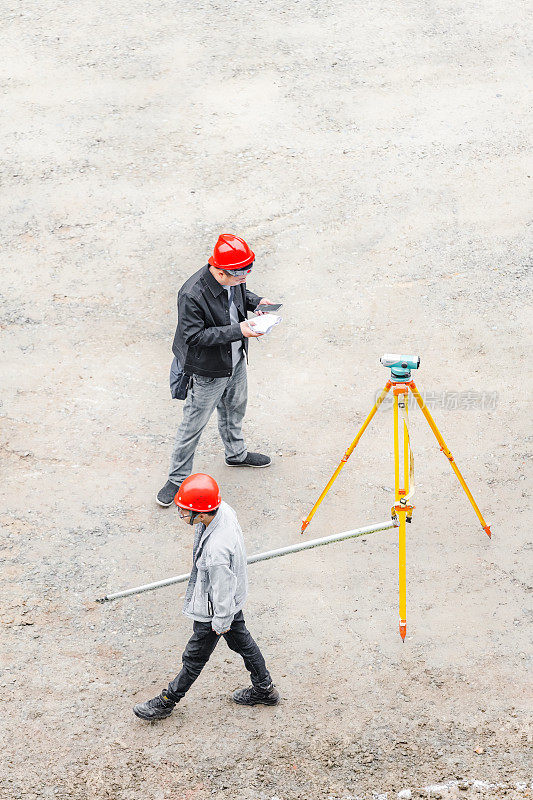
(214,599)
(211,345)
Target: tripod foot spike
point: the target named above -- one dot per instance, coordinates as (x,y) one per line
(305,523)
(403,629)
(486,528)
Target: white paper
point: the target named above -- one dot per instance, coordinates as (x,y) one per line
(264,323)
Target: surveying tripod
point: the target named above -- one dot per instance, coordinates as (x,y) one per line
(402,510)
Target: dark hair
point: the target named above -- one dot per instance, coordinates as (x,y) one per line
(209,513)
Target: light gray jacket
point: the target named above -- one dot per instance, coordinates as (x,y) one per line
(218,585)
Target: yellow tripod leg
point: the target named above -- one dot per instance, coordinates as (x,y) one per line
(406,447)
(346,456)
(396,452)
(402,513)
(402,579)
(448,455)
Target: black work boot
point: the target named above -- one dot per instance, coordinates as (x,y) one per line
(158,707)
(257,460)
(254,697)
(166,495)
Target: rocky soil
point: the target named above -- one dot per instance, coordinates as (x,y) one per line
(376,159)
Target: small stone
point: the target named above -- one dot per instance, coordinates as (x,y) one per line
(479,750)
(405,794)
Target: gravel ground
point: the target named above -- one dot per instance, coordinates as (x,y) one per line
(375,157)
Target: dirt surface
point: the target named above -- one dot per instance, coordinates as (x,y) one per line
(375,157)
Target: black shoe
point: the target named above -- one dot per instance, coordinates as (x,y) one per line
(252,460)
(159,707)
(166,495)
(254,697)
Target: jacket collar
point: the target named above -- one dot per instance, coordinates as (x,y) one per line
(215,287)
(206,533)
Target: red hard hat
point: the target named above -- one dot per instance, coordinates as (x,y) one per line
(198,492)
(231,252)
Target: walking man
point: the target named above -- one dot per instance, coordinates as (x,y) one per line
(214,599)
(211,344)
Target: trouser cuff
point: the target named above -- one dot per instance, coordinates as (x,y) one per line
(238,458)
(171,696)
(262,686)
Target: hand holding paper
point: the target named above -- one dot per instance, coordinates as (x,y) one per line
(264,323)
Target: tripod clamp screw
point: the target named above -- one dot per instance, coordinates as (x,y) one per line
(447,454)
(402,505)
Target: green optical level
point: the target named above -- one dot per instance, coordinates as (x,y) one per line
(400,366)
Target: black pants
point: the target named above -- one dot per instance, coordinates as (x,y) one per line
(201,645)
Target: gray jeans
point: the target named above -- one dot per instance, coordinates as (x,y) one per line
(229,396)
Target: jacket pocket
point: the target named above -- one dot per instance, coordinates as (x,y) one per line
(199,600)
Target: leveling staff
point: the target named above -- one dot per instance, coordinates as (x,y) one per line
(214,599)
(211,344)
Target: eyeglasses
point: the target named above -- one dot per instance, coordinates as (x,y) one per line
(238,273)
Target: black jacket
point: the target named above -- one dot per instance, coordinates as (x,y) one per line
(202,343)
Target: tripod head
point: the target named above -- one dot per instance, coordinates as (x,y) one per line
(400,366)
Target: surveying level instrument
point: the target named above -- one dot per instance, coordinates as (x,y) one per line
(400,366)
(402,510)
